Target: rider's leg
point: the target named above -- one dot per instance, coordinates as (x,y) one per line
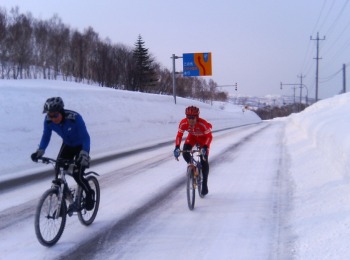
(69,152)
(205,171)
(189,143)
(187,156)
(78,175)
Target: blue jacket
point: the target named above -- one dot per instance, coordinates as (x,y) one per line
(72,129)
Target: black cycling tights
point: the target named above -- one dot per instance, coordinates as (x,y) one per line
(69,152)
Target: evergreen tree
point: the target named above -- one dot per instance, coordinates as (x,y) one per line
(145,76)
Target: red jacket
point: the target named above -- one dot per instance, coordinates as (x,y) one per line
(200,133)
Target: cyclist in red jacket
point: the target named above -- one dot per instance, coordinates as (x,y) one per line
(199,132)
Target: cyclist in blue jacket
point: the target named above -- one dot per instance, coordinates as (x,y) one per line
(70,126)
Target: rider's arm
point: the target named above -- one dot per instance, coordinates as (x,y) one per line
(183,126)
(209,138)
(83,133)
(45,139)
(207,132)
(178,139)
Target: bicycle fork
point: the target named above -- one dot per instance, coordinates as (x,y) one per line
(59,203)
(60,187)
(194,170)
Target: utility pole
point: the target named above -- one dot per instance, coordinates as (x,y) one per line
(344,78)
(301,86)
(174,57)
(317,58)
(281,87)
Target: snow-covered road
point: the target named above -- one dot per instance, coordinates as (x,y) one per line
(144,211)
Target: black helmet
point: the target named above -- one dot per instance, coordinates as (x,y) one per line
(54,104)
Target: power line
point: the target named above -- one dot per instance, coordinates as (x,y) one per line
(342,9)
(331,76)
(306,65)
(332,30)
(319,16)
(327,15)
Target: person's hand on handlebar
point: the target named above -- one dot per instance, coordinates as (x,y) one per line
(177,152)
(37,155)
(204,150)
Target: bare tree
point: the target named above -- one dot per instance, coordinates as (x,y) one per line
(124,63)
(91,40)
(165,82)
(18,43)
(3,49)
(59,46)
(41,47)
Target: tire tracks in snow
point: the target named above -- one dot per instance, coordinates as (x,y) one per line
(105,241)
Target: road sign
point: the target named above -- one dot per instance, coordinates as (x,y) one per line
(197,64)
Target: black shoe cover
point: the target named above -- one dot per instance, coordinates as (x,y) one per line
(205,190)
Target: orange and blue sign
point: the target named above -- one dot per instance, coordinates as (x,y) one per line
(197,64)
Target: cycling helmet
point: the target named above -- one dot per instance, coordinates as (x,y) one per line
(192,111)
(54,104)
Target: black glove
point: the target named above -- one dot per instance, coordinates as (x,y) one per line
(204,150)
(38,154)
(177,152)
(84,158)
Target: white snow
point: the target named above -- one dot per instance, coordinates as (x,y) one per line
(284,194)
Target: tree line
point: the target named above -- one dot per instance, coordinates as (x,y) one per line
(33,49)
(270,112)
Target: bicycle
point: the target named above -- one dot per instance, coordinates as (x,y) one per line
(51,212)
(194,176)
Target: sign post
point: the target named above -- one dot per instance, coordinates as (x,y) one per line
(174,57)
(194,64)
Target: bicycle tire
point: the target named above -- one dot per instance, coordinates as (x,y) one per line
(190,188)
(87,217)
(48,230)
(199,182)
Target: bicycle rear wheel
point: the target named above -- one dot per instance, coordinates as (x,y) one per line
(87,217)
(190,189)
(48,228)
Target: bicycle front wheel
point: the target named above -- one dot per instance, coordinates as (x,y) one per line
(48,226)
(86,217)
(190,189)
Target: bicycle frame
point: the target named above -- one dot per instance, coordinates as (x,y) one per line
(194,153)
(63,168)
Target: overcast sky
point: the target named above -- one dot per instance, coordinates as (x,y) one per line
(257,44)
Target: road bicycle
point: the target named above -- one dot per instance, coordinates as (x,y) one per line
(194,176)
(51,212)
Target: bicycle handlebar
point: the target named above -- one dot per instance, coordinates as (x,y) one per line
(191,152)
(48,160)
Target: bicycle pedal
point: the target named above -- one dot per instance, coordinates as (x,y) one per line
(71,209)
